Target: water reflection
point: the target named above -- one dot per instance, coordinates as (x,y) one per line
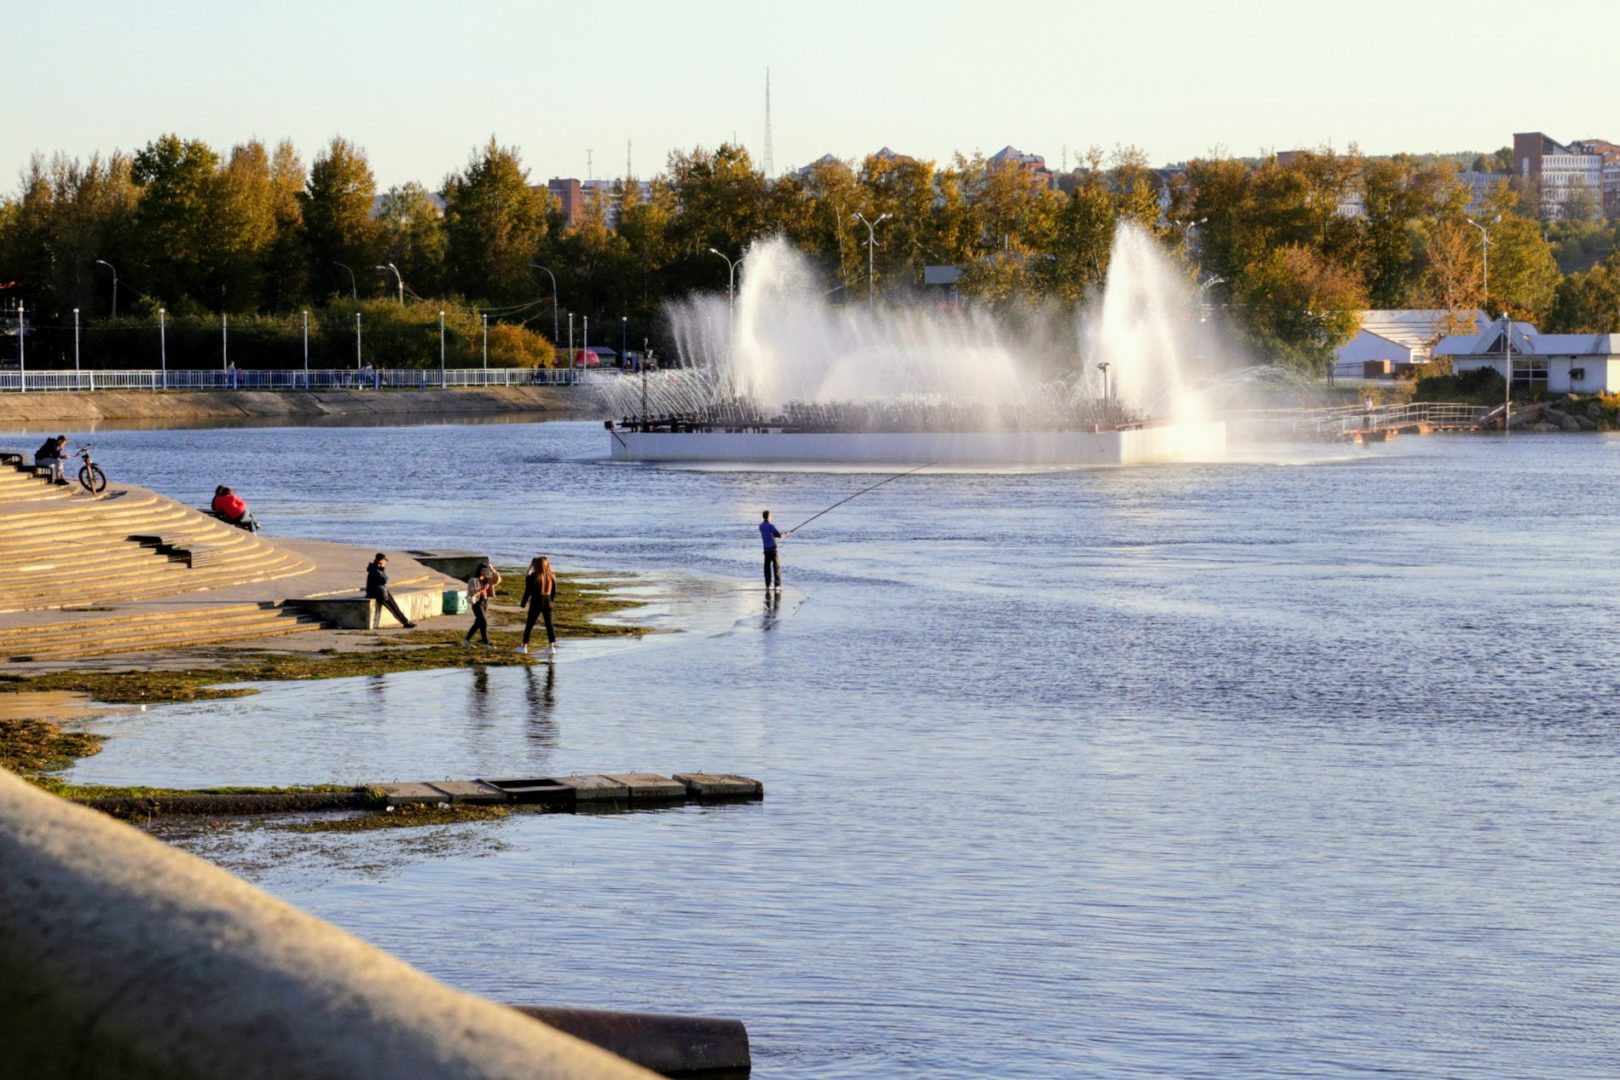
(540,690)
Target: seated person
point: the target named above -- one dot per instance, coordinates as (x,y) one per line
(50,455)
(229,506)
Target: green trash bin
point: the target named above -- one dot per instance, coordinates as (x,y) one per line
(455,601)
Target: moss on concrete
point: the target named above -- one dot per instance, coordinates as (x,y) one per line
(401,817)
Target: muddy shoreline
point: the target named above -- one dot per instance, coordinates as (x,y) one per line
(194,406)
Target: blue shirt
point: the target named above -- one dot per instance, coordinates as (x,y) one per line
(769,533)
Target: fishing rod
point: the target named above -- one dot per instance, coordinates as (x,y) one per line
(861,492)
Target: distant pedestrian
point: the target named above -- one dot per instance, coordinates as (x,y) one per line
(770,534)
(232,509)
(50,455)
(480,587)
(539,588)
(377,589)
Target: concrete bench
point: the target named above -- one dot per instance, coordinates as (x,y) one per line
(356,611)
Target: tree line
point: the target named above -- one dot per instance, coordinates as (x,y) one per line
(256,235)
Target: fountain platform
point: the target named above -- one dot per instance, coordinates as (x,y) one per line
(1140,444)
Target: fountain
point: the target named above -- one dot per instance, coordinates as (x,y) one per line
(785,376)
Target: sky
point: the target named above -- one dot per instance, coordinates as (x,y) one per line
(419,86)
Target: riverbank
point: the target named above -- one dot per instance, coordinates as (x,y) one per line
(192,406)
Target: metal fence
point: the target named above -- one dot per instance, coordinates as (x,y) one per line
(1348,418)
(284,379)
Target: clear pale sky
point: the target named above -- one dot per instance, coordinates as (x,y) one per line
(419,85)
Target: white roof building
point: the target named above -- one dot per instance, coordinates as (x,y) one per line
(1399,337)
(1558,363)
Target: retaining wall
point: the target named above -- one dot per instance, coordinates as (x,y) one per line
(181,406)
(120,956)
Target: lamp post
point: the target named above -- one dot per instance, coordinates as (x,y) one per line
(584,338)
(871,247)
(486,339)
(570,339)
(441,350)
(554,315)
(397,279)
(114,269)
(163,346)
(22,352)
(1103,367)
(624,337)
(731,278)
(354,290)
(224,342)
(1507,372)
(75,339)
(306,348)
(1484,254)
(357,341)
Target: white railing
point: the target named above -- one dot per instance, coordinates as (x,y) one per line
(1348,418)
(283,379)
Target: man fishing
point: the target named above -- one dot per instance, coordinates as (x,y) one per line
(770,534)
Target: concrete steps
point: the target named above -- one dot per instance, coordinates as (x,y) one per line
(61,547)
(206,624)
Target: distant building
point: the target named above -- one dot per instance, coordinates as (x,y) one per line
(574,197)
(1009,157)
(1481,185)
(1557,363)
(1392,339)
(1610,153)
(1559,171)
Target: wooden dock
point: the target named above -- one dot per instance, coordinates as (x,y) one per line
(601,791)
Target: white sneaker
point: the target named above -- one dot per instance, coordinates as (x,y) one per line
(523,649)
(551,652)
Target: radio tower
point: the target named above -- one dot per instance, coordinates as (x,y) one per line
(770,165)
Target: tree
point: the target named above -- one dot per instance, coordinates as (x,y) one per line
(244,225)
(1297,307)
(338,226)
(723,203)
(1524,274)
(411,236)
(1451,278)
(175,217)
(286,265)
(1082,240)
(1589,303)
(494,223)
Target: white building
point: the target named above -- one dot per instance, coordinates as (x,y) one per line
(1390,339)
(1561,171)
(1557,363)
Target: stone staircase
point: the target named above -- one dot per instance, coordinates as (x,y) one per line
(130,571)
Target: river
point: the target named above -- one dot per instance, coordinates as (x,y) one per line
(1298,764)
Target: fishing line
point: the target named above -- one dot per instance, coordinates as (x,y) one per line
(861,492)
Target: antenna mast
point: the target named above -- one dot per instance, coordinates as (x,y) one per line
(770,165)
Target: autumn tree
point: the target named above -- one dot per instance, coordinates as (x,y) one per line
(410,234)
(339,228)
(494,223)
(1297,306)
(175,218)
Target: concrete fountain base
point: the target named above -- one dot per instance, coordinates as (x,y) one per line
(1154,443)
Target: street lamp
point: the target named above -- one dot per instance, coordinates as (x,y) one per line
(731,278)
(1103,367)
(1484,254)
(624,338)
(354,290)
(441,350)
(554,317)
(397,278)
(871,244)
(110,266)
(1507,371)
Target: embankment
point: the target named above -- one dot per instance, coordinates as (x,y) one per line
(190,406)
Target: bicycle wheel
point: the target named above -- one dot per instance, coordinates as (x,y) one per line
(93,479)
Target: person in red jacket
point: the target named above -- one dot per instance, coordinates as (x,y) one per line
(230,507)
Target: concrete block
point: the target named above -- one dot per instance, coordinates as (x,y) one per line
(594,788)
(721,786)
(460,565)
(540,790)
(470,791)
(650,787)
(400,794)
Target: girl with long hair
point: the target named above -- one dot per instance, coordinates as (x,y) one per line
(539,587)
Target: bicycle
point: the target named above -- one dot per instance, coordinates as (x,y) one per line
(91,478)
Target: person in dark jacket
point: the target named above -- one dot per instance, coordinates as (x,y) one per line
(233,510)
(539,588)
(480,588)
(50,455)
(377,589)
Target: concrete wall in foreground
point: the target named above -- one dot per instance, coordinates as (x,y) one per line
(121,957)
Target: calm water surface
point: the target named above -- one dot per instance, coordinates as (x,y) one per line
(1302,764)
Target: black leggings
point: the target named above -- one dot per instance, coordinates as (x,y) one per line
(480,625)
(771,563)
(537,609)
(387,600)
